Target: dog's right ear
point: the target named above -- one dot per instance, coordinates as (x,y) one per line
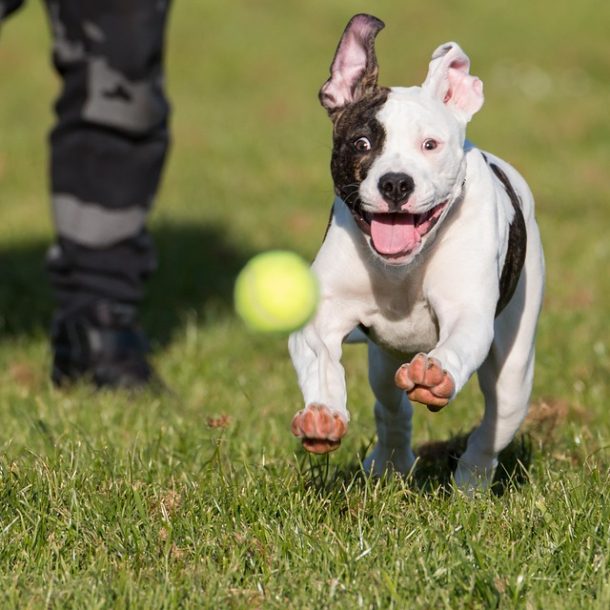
(354,70)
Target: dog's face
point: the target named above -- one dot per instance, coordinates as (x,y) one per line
(397,162)
(398,154)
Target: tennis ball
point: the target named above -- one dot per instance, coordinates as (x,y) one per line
(276,292)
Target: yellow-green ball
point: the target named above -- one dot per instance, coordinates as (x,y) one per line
(276,292)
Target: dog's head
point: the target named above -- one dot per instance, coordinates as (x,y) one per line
(398,153)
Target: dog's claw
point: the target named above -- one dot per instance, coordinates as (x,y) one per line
(319,429)
(426,381)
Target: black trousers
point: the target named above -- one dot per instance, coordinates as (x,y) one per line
(108,145)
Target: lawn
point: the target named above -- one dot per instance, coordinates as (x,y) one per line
(202,498)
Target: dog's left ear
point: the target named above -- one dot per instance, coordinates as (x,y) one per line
(448,80)
(354,70)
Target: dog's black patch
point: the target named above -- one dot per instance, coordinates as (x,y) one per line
(517,243)
(348,166)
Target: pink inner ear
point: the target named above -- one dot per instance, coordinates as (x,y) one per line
(354,60)
(351,61)
(465,91)
(347,67)
(351,54)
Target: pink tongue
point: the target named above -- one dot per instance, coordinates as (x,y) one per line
(394,233)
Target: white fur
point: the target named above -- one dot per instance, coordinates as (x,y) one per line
(440,299)
(409,117)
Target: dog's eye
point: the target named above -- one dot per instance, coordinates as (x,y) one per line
(430,144)
(362,144)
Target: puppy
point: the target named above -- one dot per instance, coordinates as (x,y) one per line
(432,252)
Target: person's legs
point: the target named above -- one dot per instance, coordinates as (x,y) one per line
(107,152)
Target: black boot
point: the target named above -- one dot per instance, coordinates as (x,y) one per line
(101,343)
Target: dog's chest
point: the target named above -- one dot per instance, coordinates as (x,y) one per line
(402,322)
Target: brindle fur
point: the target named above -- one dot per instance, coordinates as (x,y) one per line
(517,242)
(348,166)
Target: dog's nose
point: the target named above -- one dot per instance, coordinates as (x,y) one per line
(396,188)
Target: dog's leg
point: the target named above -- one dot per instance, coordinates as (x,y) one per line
(506,388)
(506,379)
(393,413)
(466,331)
(316,356)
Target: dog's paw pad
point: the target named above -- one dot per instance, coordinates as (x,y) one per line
(320,429)
(320,446)
(426,381)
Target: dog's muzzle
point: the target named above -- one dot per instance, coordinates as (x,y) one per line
(397,234)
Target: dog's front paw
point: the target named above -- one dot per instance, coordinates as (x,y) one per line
(425,380)
(320,429)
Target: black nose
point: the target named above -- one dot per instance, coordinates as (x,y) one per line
(396,188)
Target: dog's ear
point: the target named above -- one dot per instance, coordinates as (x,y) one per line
(354,70)
(448,80)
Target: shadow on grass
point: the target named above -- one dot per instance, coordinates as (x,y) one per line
(436,462)
(197,268)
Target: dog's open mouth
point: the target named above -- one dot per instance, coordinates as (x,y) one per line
(394,235)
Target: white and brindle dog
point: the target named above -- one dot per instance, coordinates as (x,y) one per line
(432,251)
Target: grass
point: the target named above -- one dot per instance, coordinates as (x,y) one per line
(202,498)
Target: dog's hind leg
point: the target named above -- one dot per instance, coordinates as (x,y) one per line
(393,413)
(506,379)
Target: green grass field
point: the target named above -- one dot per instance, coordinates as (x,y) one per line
(203,499)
